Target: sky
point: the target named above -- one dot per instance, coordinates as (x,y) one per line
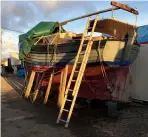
(21,16)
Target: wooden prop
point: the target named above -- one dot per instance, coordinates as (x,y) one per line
(38,86)
(30,83)
(60,94)
(48,88)
(62,86)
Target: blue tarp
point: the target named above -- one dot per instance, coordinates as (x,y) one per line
(21,73)
(142,34)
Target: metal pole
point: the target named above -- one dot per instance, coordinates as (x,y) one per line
(87,15)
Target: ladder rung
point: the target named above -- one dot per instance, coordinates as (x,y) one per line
(69,100)
(89,27)
(62,120)
(76,71)
(85,44)
(70,89)
(79,62)
(73,80)
(66,110)
(80,59)
(88,36)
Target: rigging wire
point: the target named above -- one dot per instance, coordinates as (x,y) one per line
(12,30)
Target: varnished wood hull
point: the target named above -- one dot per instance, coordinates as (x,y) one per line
(94,87)
(110,52)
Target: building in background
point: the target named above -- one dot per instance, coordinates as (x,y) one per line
(14,56)
(4,62)
(139,69)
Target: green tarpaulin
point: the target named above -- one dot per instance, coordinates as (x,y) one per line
(41,29)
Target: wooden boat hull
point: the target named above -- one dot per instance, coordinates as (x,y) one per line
(94,85)
(110,52)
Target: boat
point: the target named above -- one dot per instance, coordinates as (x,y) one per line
(48,46)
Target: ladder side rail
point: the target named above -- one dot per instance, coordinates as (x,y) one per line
(81,70)
(77,57)
(86,56)
(74,100)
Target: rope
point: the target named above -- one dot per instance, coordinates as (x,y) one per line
(102,66)
(35,44)
(108,83)
(55,57)
(90,85)
(48,46)
(55,47)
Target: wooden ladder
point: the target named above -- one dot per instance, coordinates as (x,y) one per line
(78,68)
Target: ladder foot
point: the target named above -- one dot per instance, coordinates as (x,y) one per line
(33,101)
(57,122)
(44,103)
(73,94)
(66,125)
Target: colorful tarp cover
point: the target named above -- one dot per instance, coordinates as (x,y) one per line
(142,34)
(41,29)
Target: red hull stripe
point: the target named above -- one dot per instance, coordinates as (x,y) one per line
(143,43)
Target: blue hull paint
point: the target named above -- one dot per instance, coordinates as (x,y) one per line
(121,63)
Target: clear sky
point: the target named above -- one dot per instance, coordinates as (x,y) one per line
(23,15)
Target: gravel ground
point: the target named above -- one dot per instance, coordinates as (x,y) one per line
(21,118)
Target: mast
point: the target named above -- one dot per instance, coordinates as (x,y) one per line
(113,3)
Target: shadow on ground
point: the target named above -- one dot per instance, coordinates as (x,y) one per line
(84,123)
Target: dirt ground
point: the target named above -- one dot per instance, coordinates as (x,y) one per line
(21,118)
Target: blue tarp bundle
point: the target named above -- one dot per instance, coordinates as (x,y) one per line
(21,73)
(142,34)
